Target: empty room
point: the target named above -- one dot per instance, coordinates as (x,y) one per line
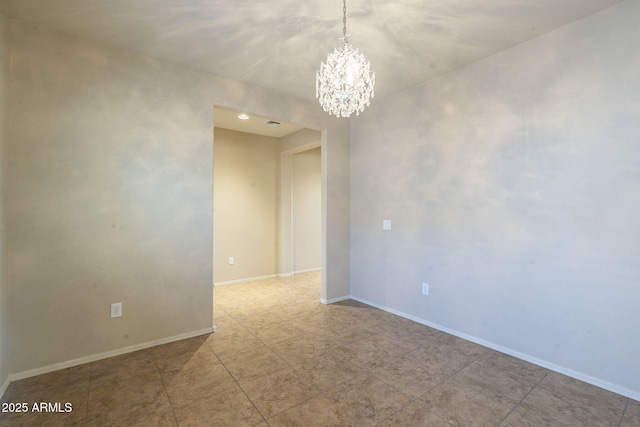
(319,213)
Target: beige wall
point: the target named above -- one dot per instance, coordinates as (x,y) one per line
(4,142)
(297,142)
(300,141)
(245,188)
(307,195)
(111,171)
(252,218)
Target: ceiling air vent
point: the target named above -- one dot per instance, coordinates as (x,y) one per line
(272,123)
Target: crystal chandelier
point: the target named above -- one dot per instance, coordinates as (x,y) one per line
(344,84)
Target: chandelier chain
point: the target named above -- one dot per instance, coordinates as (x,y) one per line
(344,20)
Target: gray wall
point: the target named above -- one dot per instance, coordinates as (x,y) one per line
(111,196)
(513,185)
(4,143)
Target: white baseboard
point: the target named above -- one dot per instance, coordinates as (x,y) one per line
(4,386)
(539,362)
(269,276)
(105,355)
(331,301)
(309,270)
(248,279)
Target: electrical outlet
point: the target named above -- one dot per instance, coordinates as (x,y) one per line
(231,260)
(386,224)
(425,289)
(116,310)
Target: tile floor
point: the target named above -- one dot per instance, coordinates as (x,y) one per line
(280,358)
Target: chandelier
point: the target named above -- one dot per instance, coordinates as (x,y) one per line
(344,84)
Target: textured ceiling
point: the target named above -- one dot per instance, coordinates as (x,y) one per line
(278,44)
(228,119)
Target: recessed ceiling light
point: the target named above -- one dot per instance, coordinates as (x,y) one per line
(243,117)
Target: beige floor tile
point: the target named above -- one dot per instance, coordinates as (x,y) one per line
(137,360)
(472,350)
(276,332)
(342,332)
(166,420)
(242,311)
(326,370)
(378,350)
(409,375)
(525,417)
(188,345)
(410,327)
(505,379)
(61,414)
(414,415)
(42,419)
(184,354)
(292,313)
(230,347)
(279,391)
(302,347)
(316,412)
(228,330)
(77,376)
(126,370)
(404,341)
(109,406)
(350,351)
(572,389)
(445,360)
(232,409)
(631,414)
(310,323)
(224,322)
(367,399)
(73,391)
(462,406)
(255,364)
(253,322)
(197,383)
(561,400)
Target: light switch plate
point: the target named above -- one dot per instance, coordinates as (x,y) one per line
(386,224)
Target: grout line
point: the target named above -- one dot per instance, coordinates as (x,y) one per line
(86,410)
(624,412)
(295,370)
(269,346)
(324,393)
(523,397)
(235,380)
(164,385)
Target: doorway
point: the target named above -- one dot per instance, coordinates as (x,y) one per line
(267,199)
